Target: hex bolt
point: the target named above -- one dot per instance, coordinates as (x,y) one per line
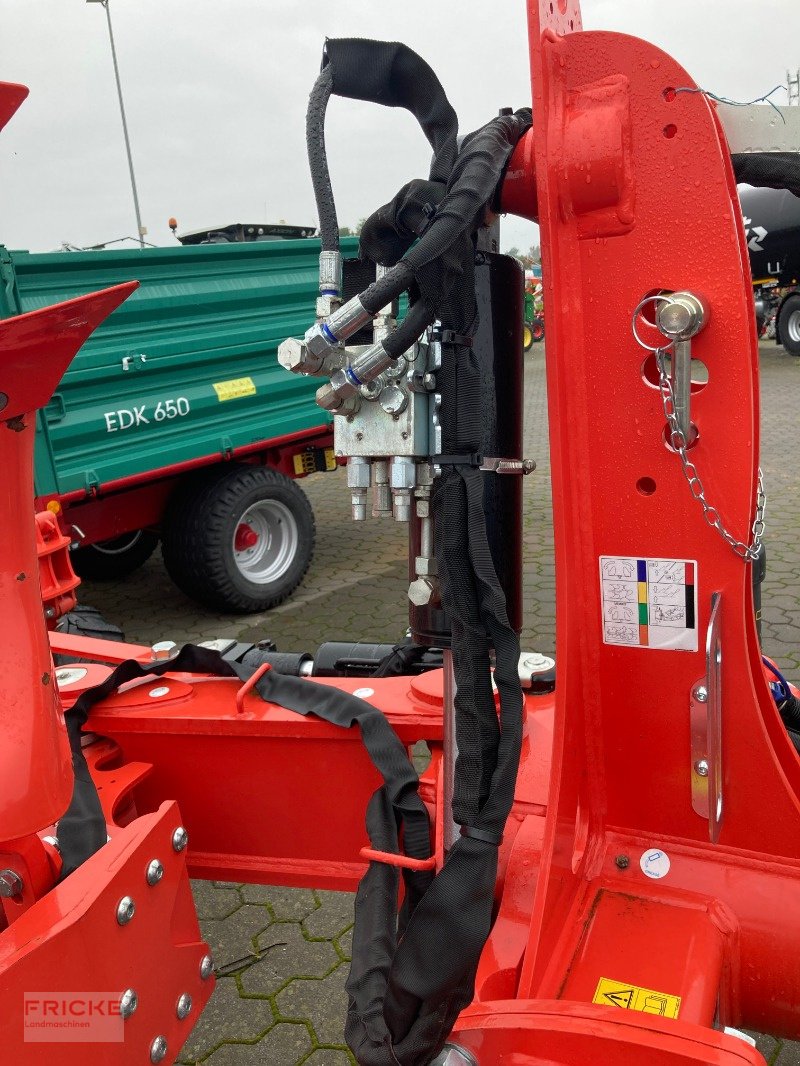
(206,967)
(183,1008)
(701,693)
(180,838)
(162,650)
(155,871)
(158,1049)
(701,768)
(622,862)
(126,909)
(11,884)
(128,1002)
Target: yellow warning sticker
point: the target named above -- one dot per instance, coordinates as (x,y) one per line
(632,997)
(234,389)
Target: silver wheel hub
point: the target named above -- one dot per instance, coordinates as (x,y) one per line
(793,327)
(265,542)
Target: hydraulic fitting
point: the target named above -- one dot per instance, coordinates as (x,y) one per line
(330,273)
(349,319)
(402,478)
(381,490)
(359,477)
(346,382)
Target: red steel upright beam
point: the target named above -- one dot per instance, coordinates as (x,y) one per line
(667,901)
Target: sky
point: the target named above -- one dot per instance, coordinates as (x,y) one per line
(216,90)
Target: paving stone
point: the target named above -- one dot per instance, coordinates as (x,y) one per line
(225,1018)
(329,1057)
(333,916)
(789,1054)
(301,999)
(282,1045)
(285,953)
(345,942)
(292,904)
(213,902)
(232,939)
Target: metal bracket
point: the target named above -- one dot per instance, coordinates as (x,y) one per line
(705,717)
(760,128)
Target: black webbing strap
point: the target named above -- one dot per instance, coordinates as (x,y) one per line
(82,830)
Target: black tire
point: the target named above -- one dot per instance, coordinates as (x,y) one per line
(538,332)
(201,525)
(119,557)
(789,324)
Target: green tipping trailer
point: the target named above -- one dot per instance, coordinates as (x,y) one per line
(175,419)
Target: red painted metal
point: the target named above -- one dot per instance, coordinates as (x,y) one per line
(35,762)
(624,169)
(57,579)
(246,537)
(70,944)
(11,96)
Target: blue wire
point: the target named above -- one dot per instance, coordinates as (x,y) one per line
(765,99)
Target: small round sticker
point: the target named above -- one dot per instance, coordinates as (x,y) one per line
(655,863)
(364,693)
(162,690)
(70,675)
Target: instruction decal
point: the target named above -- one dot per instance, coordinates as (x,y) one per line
(234,389)
(649,603)
(632,997)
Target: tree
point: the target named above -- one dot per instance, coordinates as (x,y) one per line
(352,231)
(533,255)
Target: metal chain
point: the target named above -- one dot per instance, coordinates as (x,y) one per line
(677,440)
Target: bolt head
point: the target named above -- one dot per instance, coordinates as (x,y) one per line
(183,1008)
(206,967)
(162,650)
(701,768)
(126,908)
(155,871)
(622,862)
(128,1002)
(701,693)
(11,884)
(422,591)
(180,838)
(158,1049)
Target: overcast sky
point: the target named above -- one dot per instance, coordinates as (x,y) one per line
(216,90)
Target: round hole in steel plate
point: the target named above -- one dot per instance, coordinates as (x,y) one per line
(646,486)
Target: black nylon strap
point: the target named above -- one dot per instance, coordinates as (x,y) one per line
(481,834)
(449,336)
(82,830)
(462,459)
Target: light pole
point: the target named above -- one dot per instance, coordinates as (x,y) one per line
(140,229)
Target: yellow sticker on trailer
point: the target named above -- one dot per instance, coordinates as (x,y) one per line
(611,993)
(234,389)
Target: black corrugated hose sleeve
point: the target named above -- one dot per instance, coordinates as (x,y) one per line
(769,170)
(318,161)
(389,73)
(417,319)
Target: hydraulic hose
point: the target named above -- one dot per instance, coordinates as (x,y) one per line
(318,160)
(417,320)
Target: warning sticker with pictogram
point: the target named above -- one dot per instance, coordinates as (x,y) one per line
(632,997)
(649,603)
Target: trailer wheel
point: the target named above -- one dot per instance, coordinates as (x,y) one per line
(789,324)
(119,557)
(240,541)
